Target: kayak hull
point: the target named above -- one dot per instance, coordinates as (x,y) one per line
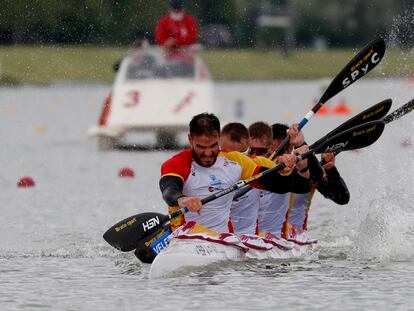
(183,255)
(186,254)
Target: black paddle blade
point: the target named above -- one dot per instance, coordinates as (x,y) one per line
(354,138)
(398,113)
(126,234)
(376,112)
(359,66)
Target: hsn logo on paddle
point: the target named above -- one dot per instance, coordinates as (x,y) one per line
(335,147)
(151,223)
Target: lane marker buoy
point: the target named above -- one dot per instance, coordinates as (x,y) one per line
(406,143)
(126,172)
(25,182)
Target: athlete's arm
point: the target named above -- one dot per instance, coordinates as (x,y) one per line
(171,189)
(315,169)
(174,172)
(333,187)
(274,182)
(300,183)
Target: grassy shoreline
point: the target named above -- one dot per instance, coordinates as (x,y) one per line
(47,64)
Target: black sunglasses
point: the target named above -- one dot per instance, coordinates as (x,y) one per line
(258,151)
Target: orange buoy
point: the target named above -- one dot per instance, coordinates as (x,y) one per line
(341,108)
(323,110)
(126,172)
(25,182)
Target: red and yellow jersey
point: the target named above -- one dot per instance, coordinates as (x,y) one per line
(201,182)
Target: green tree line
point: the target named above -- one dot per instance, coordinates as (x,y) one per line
(120,22)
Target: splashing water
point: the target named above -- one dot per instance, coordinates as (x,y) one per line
(401,34)
(387,232)
(401,37)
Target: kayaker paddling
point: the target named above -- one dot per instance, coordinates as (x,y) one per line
(203,169)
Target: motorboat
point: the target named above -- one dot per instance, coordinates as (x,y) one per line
(155,93)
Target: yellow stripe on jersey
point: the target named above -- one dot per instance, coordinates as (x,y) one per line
(172,174)
(312,192)
(265,162)
(248,165)
(201,229)
(177,221)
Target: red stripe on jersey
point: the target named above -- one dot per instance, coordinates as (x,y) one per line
(179,165)
(256,184)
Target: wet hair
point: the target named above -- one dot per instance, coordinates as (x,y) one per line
(235,131)
(279,130)
(177,4)
(204,124)
(260,130)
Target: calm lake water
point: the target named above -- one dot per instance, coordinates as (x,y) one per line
(53,257)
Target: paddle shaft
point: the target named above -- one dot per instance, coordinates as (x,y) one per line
(398,113)
(359,66)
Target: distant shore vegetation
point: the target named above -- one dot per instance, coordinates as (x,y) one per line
(53,64)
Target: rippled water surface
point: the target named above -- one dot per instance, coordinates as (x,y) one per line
(52,255)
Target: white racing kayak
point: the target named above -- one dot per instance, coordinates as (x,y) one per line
(181,255)
(187,251)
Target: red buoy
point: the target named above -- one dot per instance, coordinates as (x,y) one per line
(406,143)
(25,182)
(126,172)
(410,80)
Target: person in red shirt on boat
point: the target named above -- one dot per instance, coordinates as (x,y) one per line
(177,28)
(204,169)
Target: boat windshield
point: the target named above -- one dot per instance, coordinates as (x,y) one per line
(155,63)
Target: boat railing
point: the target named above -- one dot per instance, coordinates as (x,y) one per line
(159,63)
